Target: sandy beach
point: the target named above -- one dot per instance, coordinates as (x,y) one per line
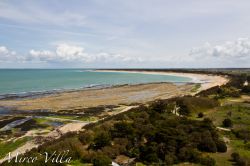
(116,95)
(206,81)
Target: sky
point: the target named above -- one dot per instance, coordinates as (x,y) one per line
(124,33)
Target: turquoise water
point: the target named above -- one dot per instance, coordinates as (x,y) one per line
(17,81)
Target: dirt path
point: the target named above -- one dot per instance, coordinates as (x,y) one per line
(223,129)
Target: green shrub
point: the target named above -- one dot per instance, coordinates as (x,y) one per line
(169,159)
(221,146)
(238,160)
(227,122)
(86,137)
(243,134)
(122,130)
(159,106)
(207,143)
(246,89)
(184,110)
(235,156)
(101,160)
(200,115)
(102,139)
(208,161)
(241,162)
(228,92)
(190,104)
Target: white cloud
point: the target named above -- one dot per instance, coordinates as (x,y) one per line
(239,48)
(40,55)
(4,50)
(64,53)
(106,57)
(6,54)
(71,52)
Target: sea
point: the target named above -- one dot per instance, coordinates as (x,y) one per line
(22,82)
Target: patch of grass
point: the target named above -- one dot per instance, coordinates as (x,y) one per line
(65,117)
(7,147)
(195,88)
(240,147)
(40,120)
(82,118)
(238,113)
(78,163)
(195,105)
(139,164)
(222,159)
(87,118)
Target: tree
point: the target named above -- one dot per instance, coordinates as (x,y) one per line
(102,139)
(123,129)
(246,89)
(159,106)
(239,161)
(101,160)
(152,158)
(227,123)
(242,162)
(207,143)
(184,110)
(235,156)
(85,137)
(221,146)
(200,115)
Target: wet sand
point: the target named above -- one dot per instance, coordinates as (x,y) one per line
(116,95)
(126,94)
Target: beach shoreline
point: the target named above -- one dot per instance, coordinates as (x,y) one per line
(118,94)
(206,80)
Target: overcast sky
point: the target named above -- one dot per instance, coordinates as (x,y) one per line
(124,33)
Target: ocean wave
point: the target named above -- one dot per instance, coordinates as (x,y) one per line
(34,94)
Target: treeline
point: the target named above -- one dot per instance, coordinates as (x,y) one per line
(237,85)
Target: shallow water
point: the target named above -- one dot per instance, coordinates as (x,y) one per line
(5,111)
(14,124)
(55,123)
(29,81)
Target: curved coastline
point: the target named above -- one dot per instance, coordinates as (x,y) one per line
(206,80)
(46,92)
(117,94)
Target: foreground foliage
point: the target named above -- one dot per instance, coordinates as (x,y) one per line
(149,135)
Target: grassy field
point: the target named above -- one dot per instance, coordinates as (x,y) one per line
(240,147)
(238,110)
(196,88)
(7,147)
